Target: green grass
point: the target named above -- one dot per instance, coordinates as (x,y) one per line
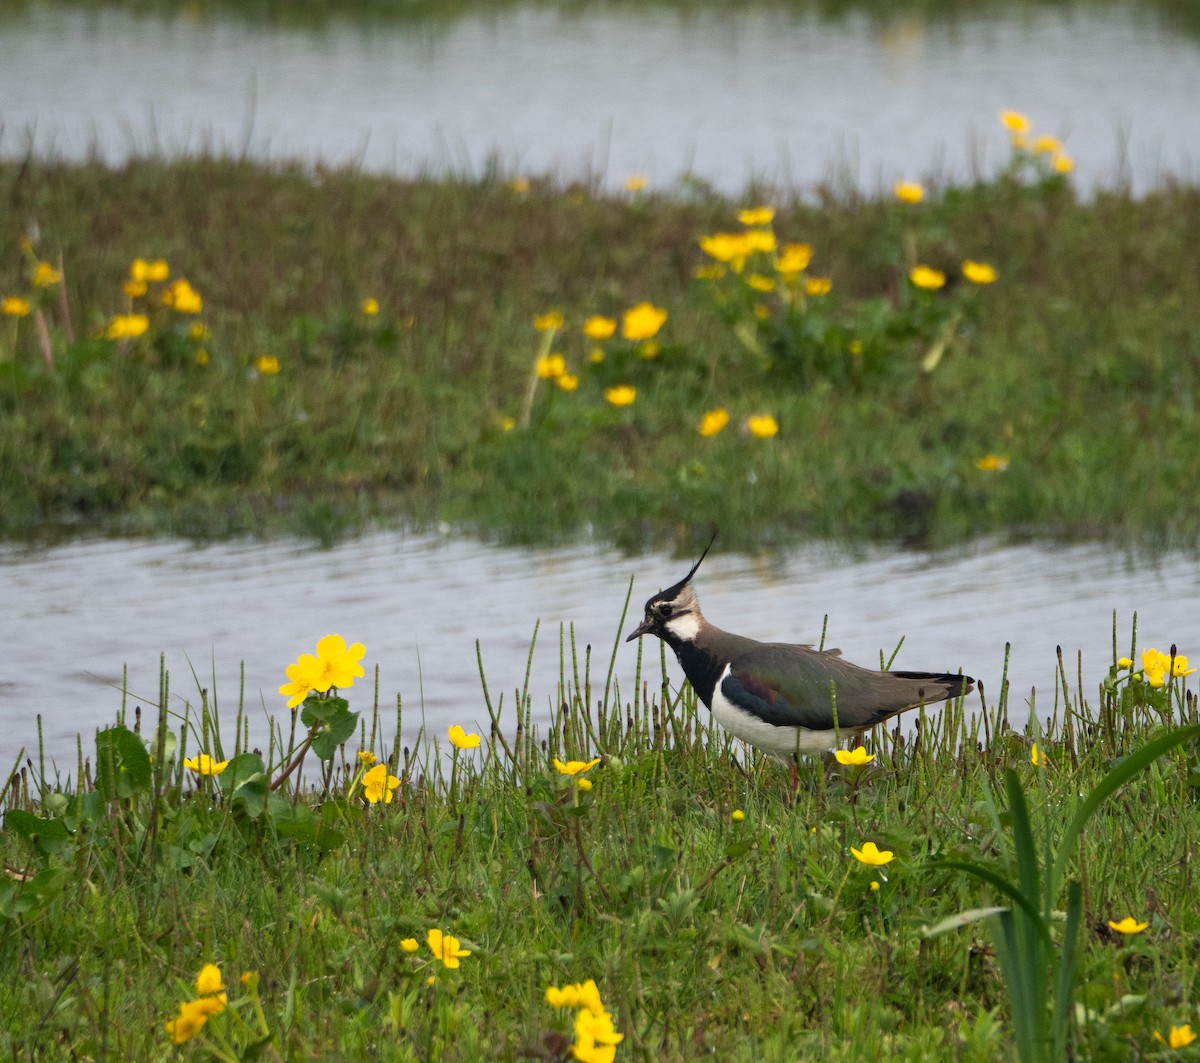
(1080,364)
(756,940)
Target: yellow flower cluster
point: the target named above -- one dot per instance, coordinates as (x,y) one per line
(1178,1037)
(596,1038)
(334,665)
(1018,126)
(1158,666)
(14,306)
(193,1014)
(127,327)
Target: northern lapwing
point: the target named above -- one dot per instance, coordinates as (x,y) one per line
(779,696)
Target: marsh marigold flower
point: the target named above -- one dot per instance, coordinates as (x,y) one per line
(621,395)
(856,756)
(871,855)
(598,327)
(14,306)
(978,272)
(1178,1037)
(575,767)
(378,785)
(1128,925)
(1124,663)
(203,764)
(927,277)
(339,663)
(762,426)
(551,321)
(460,739)
(303,677)
(642,321)
(909,192)
(713,421)
(446,948)
(756,216)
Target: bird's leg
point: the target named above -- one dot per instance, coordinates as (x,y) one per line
(793,776)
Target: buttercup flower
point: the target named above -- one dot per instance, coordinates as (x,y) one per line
(1127,926)
(370,307)
(14,306)
(552,320)
(189,1022)
(762,426)
(635,182)
(567,381)
(978,272)
(1124,662)
(410,944)
(871,855)
(642,321)
(713,421)
(857,756)
(203,764)
(266,364)
(462,740)
(182,297)
(378,785)
(154,271)
(367,758)
(1038,760)
(1047,145)
(1063,163)
(793,259)
(208,981)
(575,767)
(45,275)
(1014,122)
(598,327)
(549,366)
(818,286)
(519,185)
(583,784)
(760,283)
(731,248)
(621,395)
(992,463)
(927,277)
(445,948)
(737,815)
(127,327)
(756,216)
(909,192)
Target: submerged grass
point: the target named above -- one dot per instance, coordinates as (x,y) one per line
(718,913)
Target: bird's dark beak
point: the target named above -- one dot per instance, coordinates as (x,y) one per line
(643,628)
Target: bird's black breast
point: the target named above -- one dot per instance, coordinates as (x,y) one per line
(702,669)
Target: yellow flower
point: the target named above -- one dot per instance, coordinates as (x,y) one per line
(992,463)
(598,327)
(635,182)
(1014,122)
(642,321)
(203,764)
(208,981)
(182,297)
(410,944)
(708,273)
(127,327)
(1128,925)
(713,421)
(567,381)
(303,676)
(551,321)
(507,424)
(1124,663)
(566,997)
(621,395)
(1047,145)
(818,286)
(198,331)
(732,248)
(762,426)
(595,1038)
(519,185)
(978,272)
(927,277)
(793,258)
(462,740)
(189,1022)
(337,665)
(1063,163)
(649,349)
(737,815)
(445,948)
(549,366)
(142,271)
(762,311)
(1038,760)
(575,767)
(1178,1037)
(134,289)
(871,854)
(760,240)
(856,756)
(596,355)
(874,886)
(1180,666)
(367,758)
(378,785)
(45,275)
(909,192)
(202,357)
(583,784)
(370,306)
(266,364)
(756,216)
(249,979)
(14,306)
(760,283)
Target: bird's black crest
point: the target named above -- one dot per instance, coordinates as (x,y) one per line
(670,592)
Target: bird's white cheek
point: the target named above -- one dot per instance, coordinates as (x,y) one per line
(685,627)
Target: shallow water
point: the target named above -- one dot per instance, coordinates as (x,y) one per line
(722,95)
(76,614)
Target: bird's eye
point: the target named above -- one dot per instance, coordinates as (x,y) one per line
(665,609)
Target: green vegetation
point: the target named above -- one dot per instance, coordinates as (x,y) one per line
(718,912)
(1059,400)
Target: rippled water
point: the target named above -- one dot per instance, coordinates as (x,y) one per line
(723,94)
(75,615)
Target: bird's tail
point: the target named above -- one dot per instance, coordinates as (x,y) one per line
(939,686)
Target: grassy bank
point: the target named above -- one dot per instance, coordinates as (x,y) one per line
(1058,400)
(718,913)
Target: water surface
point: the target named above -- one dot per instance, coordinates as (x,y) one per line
(76,615)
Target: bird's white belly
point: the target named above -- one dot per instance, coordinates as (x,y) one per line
(782,741)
